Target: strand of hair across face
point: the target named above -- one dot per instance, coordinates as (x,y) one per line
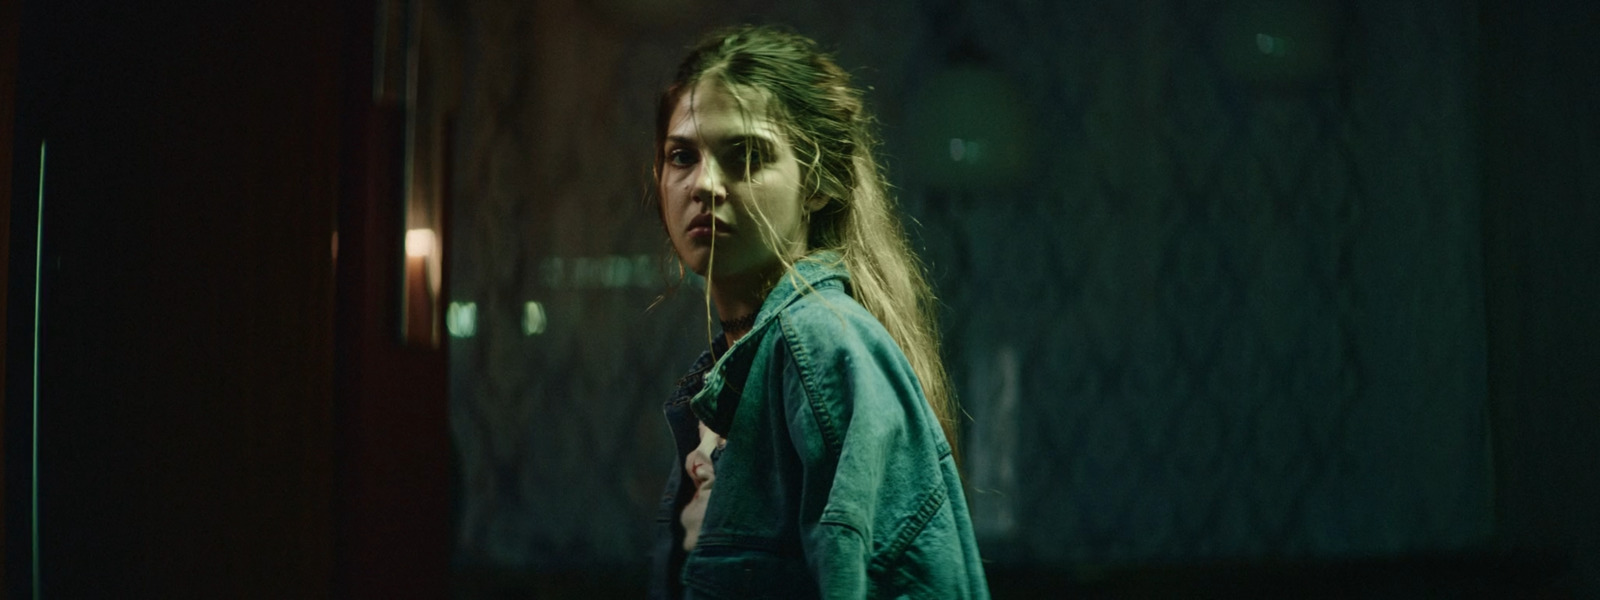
(711,264)
(769,234)
(821,112)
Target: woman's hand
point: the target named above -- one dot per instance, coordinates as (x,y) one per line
(702,471)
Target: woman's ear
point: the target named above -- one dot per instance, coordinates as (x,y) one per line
(815,203)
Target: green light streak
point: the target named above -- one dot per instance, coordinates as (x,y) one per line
(38,282)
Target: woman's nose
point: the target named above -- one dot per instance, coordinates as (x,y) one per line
(710,185)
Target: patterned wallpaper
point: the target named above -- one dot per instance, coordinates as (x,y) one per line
(1210,269)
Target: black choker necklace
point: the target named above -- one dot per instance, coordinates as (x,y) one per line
(743,323)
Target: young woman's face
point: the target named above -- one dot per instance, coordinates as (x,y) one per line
(705,181)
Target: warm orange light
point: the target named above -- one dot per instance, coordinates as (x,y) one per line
(420,242)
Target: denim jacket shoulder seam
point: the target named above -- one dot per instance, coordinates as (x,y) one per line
(803,365)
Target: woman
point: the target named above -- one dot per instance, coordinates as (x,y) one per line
(822,415)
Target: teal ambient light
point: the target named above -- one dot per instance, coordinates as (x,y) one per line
(971,129)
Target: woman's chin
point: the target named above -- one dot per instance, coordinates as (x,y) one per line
(694,262)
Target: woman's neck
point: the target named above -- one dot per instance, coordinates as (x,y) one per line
(739,297)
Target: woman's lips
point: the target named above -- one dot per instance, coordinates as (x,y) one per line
(700,227)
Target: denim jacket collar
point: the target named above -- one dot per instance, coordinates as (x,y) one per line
(718,399)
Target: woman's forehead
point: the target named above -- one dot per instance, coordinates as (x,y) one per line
(712,111)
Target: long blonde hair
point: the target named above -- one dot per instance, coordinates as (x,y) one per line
(831,132)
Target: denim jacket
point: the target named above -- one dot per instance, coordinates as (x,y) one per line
(836,480)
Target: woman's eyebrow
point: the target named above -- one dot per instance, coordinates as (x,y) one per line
(755,141)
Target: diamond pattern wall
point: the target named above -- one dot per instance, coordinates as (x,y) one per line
(1221,311)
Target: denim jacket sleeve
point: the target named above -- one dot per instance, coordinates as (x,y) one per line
(869,449)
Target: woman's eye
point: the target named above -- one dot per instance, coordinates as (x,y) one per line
(681,157)
(746,161)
